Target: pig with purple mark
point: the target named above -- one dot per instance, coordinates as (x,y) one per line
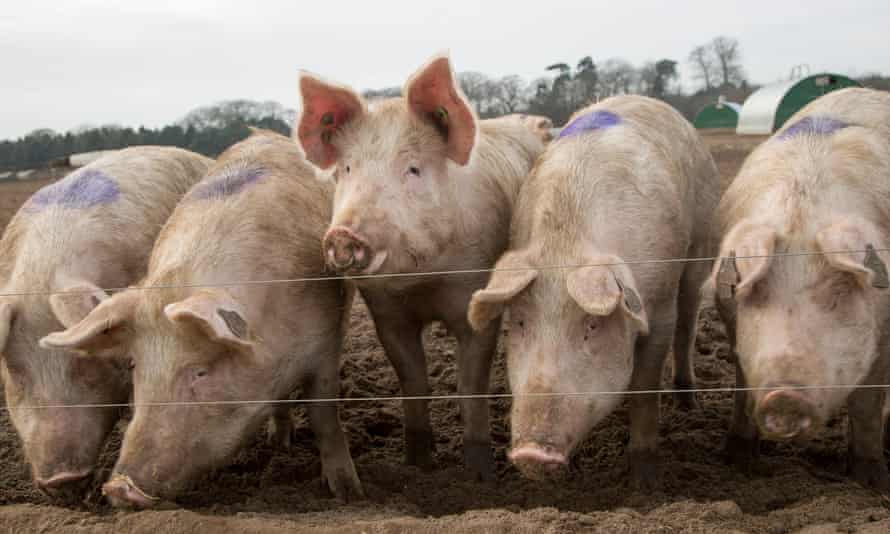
(802,323)
(628,179)
(89,231)
(207,344)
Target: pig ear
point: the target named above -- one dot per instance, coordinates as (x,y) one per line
(75,301)
(601,290)
(848,246)
(326,108)
(434,95)
(7,311)
(102,329)
(218,315)
(745,259)
(512,274)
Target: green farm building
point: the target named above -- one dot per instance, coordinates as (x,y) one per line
(721,114)
(767,109)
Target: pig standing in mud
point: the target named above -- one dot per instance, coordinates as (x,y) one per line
(91,230)
(820,184)
(258,215)
(627,179)
(422,186)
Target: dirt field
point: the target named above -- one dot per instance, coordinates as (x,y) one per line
(795,488)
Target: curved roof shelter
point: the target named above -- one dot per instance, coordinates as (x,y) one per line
(721,114)
(767,109)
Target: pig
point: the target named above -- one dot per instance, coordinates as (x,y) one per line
(802,322)
(69,242)
(209,336)
(539,125)
(422,186)
(627,180)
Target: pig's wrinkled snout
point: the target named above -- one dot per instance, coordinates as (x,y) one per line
(123,493)
(66,485)
(784,414)
(539,461)
(345,251)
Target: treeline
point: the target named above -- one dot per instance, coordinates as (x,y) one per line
(208,131)
(716,68)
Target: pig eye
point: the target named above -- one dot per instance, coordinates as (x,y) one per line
(414,170)
(200,373)
(347,169)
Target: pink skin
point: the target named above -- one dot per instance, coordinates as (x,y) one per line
(804,321)
(421,186)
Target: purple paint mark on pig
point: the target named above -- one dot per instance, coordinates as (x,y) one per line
(227,184)
(595,120)
(83,189)
(814,125)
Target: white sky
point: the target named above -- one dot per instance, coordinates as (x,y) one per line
(64,63)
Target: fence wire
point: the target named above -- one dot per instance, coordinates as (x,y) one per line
(455,397)
(431,273)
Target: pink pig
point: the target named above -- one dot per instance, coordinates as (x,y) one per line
(421,185)
(800,322)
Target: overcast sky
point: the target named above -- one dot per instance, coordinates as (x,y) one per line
(74,62)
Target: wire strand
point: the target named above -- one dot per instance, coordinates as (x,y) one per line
(495,396)
(432,273)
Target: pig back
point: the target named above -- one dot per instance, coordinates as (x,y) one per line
(110,210)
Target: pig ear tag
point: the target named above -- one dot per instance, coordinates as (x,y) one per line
(727,277)
(873,262)
(631,299)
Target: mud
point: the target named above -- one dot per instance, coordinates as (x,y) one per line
(793,488)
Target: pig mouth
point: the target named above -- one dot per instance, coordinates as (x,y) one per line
(123,492)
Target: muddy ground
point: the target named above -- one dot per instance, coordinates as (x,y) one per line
(795,487)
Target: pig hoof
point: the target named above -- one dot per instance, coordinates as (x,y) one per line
(870,473)
(742,452)
(643,466)
(419,448)
(344,484)
(478,460)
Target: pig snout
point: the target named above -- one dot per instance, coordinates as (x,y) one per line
(785,414)
(65,485)
(347,252)
(539,460)
(122,492)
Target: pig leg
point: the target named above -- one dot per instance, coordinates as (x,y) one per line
(865,456)
(684,337)
(742,443)
(400,336)
(476,352)
(337,468)
(281,428)
(642,452)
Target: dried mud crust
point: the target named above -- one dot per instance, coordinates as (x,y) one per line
(793,487)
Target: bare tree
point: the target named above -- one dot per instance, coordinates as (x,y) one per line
(511,94)
(703,65)
(616,77)
(477,87)
(729,56)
